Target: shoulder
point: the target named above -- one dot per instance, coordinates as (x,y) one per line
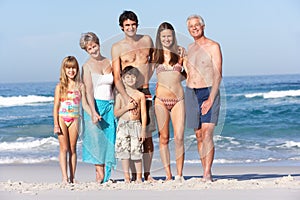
(139,94)
(146,39)
(57,86)
(86,66)
(213,44)
(57,89)
(213,47)
(118,44)
(117,48)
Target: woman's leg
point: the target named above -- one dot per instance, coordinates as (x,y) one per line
(163,118)
(178,121)
(99,173)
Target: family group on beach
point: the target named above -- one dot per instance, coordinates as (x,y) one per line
(119,113)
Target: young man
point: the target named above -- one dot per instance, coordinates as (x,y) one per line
(135,50)
(204,74)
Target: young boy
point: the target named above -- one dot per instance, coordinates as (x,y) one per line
(132,120)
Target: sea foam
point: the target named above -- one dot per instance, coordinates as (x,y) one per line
(275,94)
(29,143)
(24,100)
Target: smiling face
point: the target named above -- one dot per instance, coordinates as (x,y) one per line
(93,49)
(129,79)
(196,29)
(166,38)
(129,27)
(71,72)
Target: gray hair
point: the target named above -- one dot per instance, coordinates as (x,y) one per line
(196,17)
(88,37)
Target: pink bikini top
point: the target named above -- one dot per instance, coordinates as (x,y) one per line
(161,68)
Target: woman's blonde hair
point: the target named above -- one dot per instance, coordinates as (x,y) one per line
(88,37)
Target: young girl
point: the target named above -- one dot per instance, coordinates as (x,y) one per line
(68,93)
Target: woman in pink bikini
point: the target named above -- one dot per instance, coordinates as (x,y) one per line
(67,98)
(169,100)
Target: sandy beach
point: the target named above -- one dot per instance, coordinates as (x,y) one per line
(42,181)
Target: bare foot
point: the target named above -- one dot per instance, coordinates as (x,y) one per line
(207,179)
(65,181)
(179,179)
(100,181)
(75,181)
(150,179)
(133,177)
(138,181)
(127,180)
(112,180)
(168,179)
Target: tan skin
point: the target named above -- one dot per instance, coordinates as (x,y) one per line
(134,50)
(100,65)
(169,86)
(67,136)
(124,111)
(200,75)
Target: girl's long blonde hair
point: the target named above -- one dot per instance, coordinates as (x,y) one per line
(68,62)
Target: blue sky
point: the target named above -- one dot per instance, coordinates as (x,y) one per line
(257,37)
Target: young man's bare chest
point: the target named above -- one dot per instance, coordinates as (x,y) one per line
(134,57)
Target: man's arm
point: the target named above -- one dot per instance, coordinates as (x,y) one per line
(117,107)
(217,76)
(116,66)
(150,58)
(143,117)
(217,69)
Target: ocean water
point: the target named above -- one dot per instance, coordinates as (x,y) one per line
(259,123)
